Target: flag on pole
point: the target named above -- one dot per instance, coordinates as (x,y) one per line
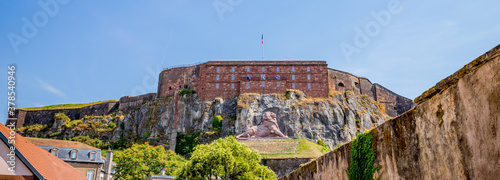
(262,38)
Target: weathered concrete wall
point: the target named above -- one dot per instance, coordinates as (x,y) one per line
(394,104)
(30,117)
(282,167)
(451,134)
(128,103)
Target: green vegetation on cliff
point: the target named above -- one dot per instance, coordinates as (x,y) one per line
(66,106)
(225,159)
(186,91)
(362,158)
(217,123)
(185,143)
(61,117)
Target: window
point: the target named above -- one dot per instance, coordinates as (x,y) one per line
(263,69)
(293,85)
(248,84)
(248,69)
(308,77)
(309,85)
(218,69)
(217,77)
(263,84)
(308,69)
(90,174)
(263,77)
(249,77)
(232,85)
(54,151)
(92,155)
(293,68)
(232,69)
(277,77)
(277,69)
(278,84)
(293,77)
(217,86)
(232,77)
(73,154)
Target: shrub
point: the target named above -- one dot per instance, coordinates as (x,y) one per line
(34,127)
(55,134)
(185,143)
(217,123)
(358,120)
(322,143)
(72,124)
(186,91)
(61,116)
(97,124)
(111,125)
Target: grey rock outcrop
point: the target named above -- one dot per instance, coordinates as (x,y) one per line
(334,120)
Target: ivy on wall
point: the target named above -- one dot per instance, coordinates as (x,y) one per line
(362,158)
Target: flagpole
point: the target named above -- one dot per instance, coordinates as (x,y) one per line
(262,46)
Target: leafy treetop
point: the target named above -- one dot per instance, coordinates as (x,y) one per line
(226,159)
(141,161)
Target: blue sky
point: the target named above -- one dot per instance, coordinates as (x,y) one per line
(85,51)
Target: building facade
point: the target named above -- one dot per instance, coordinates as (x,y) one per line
(227,79)
(24,160)
(84,158)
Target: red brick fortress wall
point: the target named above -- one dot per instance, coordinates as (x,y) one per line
(343,81)
(175,79)
(227,79)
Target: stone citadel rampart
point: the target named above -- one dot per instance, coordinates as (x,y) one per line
(451,134)
(227,79)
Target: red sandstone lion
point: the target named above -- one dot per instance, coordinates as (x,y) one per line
(268,128)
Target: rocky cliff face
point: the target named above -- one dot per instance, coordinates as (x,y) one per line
(335,120)
(451,134)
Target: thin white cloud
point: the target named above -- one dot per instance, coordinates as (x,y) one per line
(48,87)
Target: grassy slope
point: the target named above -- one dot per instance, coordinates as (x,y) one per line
(66,106)
(291,148)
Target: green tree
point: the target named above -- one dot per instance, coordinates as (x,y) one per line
(141,161)
(227,159)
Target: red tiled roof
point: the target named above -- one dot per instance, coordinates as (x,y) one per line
(59,143)
(48,165)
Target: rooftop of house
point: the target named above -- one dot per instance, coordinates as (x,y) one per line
(60,143)
(64,149)
(43,164)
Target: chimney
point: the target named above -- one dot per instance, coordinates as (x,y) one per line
(162,172)
(108,165)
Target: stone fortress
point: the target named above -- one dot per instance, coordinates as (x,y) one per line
(227,79)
